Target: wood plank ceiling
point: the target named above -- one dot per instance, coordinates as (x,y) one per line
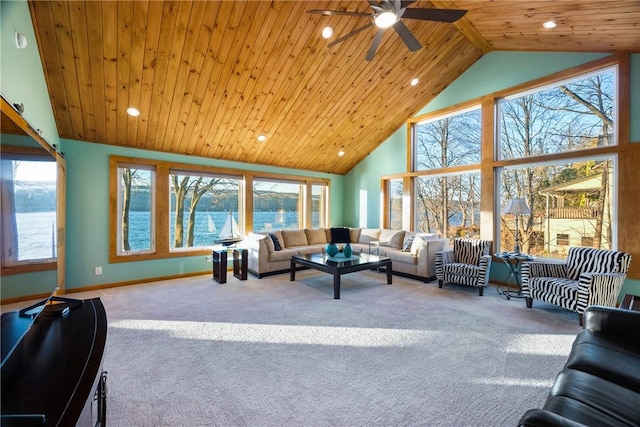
(210,76)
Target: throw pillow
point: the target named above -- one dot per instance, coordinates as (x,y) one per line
(276,242)
(409,236)
(340,235)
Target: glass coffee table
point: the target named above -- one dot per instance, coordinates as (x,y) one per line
(338,265)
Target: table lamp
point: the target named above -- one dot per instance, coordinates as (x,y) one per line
(517,206)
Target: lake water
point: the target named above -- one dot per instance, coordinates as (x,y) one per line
(37,229)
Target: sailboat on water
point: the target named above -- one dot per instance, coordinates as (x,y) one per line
(230,232)
(211,225)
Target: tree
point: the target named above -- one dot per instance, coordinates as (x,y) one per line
(191,189)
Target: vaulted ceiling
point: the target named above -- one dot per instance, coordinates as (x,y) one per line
(209,77)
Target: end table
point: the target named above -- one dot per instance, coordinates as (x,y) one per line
(513,261)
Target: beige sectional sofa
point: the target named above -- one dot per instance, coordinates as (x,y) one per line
(412,254)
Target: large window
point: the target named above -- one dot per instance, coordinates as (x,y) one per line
(319,205)
(204,209)
(447,200)
(452,140)
(448,204)
(164,209)
(395,203)
(136,209)
(551,144)
(566,116)
(571,204)
(570,200)
(277,204)
(28,204)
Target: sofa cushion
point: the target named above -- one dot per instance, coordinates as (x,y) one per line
(275,242)
(282,255)
(592,351)
(316,236)
(392,238)
(596,401)
(403,257)
(354,235)
(294,238)
(367,235)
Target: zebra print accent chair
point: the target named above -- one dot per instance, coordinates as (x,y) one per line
(588,277)
(467,264)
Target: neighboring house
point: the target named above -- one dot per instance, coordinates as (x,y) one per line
(577,226)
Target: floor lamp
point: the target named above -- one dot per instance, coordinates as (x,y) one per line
(517,206)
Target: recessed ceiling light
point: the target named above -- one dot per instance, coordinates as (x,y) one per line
(340,153)
(549,24)
(133,112)
(262,138)
(415,81)
(327,32)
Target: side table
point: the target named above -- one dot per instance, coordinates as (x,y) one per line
(219,257)
(513,263)
(630,302)
(240,263)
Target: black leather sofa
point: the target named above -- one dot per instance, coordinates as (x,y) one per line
(600,382)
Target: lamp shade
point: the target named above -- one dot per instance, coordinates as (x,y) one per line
(517,206)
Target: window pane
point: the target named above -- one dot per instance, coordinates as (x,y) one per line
(319,204)
(276,205)
(28,210)
(395,204)
(449,205)
(204,210)
(136,210)
(448,141)
(571,204)
(570,116)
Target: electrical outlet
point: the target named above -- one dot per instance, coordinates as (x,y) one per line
(98,271)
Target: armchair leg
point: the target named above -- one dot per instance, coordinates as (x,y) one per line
(439,283)
(480,290)
(529,302)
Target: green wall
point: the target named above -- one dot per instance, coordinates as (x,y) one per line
(21,77)
(88,214)
(493,72)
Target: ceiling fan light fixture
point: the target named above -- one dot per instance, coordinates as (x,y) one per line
(549,24)
(385,19)
(327,32)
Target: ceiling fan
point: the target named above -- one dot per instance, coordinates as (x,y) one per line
(386,14)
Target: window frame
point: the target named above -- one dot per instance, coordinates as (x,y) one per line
(489,155)
(17,153)
(162,202)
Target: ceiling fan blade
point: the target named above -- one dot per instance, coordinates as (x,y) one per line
(352,33)
(405,34)
(374,45)
(441,15)
(338,12)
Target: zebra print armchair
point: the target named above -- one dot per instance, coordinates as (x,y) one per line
(467,264)
(588,277)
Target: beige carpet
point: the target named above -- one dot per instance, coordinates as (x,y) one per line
(272,352)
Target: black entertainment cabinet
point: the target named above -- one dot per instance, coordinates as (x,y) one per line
(55,377)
